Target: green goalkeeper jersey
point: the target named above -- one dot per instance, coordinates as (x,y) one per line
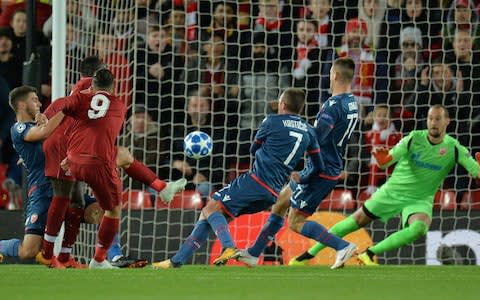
(422,166)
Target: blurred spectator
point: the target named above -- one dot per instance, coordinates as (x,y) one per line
(439,85)
(7,119)
(216,78)
(10,65)
(123,27)
(275,21)
(158,72)
(355,48)
(306,69)
(462,16)
(147,143)
(224,24)
(417,15)
(105,49)
(372,12)
(43,11)
(342,10)
(320,11)
(18,26)
(390,30)
(261,82)
(382,133)
(207,173)
(175,28)
(406,69)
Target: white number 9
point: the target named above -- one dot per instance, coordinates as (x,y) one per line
(99,106)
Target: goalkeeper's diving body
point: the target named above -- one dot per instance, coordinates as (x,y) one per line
(424,158)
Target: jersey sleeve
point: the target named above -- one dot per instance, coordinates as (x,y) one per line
(317,164)
(19,130)
(70,104)
(467,161)
(324,123)
(400,149)
(260,136)
(55,107)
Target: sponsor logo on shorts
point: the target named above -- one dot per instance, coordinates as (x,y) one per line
(226,198)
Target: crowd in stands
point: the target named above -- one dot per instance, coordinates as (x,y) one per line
(219,67)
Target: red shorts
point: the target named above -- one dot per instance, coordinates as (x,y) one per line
(53,157)
(101,176)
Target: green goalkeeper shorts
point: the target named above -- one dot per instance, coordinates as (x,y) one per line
(386,205)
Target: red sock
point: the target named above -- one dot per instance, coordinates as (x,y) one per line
(106,233)
(142,173)
(56,214)
(73,218)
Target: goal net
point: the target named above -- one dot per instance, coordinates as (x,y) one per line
(219,67)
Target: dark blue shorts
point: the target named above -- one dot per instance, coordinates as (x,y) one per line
(244,196)
(39,199)
(307,197)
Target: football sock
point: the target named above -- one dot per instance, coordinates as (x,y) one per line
(340,229)
(198,236)
(142,173)
(219,225)
(106,232)
(10,247)
(115,250)
(56,214)
(273,225)
(72,227)
(401,238)
(319,233)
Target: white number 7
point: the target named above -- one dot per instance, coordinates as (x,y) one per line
(99,106)
(299,138)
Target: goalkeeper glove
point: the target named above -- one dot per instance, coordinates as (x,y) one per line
(477,157)
(382,156)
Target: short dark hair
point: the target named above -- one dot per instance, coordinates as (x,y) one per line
(102,79)
(294,98)
(19,94)
(90,65)
(345,68)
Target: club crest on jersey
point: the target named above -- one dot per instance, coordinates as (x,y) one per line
(442,151)
(21,127)
(33,218)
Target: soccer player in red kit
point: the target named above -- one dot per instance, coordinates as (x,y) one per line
(66,190)
(91,154)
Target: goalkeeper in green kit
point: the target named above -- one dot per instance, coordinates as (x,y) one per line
(424,158)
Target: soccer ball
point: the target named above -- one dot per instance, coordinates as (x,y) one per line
(197,144)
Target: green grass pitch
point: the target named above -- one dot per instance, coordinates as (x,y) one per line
(208,282)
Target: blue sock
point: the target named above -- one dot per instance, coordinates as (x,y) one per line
(115,248)
(9,247)
(219,224)
(198,236)
(320,234)
(273,225)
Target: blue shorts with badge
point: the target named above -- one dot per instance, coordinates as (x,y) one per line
(39,199)
(307,197)
(244,196)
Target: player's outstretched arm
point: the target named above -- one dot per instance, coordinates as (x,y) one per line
(382,156)
(41,132)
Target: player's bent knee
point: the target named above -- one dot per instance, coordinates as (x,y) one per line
(418,228)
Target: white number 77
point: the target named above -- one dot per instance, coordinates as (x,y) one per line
(299,138)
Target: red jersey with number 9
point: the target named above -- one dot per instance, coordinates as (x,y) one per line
(98,120)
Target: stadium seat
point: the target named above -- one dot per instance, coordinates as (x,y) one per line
(138,199)
(445,200)
(186,199)
(471,200)
(338,199)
